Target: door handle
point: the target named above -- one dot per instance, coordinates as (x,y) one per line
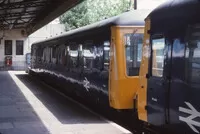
(147,76)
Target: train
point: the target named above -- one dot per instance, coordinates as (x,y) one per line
(97,62)
(169,73)
(144,61)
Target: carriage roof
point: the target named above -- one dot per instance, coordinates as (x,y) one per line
(175,13)
(131,18)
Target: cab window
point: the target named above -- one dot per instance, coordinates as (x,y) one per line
(193,56)
(133,51)
(158,45)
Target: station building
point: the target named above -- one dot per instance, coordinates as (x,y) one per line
(19,19)
(15,45)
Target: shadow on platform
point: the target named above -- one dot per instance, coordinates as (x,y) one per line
(63,109)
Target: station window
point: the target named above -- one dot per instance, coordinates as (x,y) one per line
(133,49)
(8,47)
(19,47)
(158,57)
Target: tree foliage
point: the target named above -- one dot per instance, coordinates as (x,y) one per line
(90,11)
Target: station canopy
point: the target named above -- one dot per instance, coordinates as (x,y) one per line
(31,15)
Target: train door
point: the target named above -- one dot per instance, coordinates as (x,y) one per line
(185,81)
(158,81)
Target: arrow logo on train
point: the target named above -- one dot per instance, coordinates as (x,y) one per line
(190,119)
(86,84)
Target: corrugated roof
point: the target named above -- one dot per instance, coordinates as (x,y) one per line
(31,14)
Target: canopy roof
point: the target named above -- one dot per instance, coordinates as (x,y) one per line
(31,15)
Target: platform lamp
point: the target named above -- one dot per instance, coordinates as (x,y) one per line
(135,4)
(132,5)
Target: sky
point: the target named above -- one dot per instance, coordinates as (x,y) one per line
(56,21)
(149,4)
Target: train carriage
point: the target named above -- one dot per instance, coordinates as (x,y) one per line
(168,94)
(98,62)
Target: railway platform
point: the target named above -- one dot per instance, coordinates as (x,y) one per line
(29,107)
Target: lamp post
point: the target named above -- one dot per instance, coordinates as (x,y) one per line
(135,4)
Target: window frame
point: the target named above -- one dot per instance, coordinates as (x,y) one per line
(189,77)
(19,45)
(155,36)
(73,47)
(5,47)
(137,31)
(104,55)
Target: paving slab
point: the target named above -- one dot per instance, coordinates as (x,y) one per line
(29,107)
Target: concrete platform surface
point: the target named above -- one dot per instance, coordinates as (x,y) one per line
(29,107)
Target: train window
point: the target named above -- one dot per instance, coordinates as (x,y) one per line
(93,57)
(193,56)
(43,55)
(32,51)
(63,57)
(60,54)
(39,53)
(106,53)
(88,57)
(73,54)
(158,56)
(47,54)
(133,49)
(54,52)
(67,50)
(50,54)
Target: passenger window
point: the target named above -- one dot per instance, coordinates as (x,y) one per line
(133,50)
(48,56)
(67,50)
(88,56)
(63,57)
(193,56)
(32,51)
(54,49)
(60,54)
(96,56)
(106,53)
(39,54)
(73,54)
(158,57)
(98,61)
